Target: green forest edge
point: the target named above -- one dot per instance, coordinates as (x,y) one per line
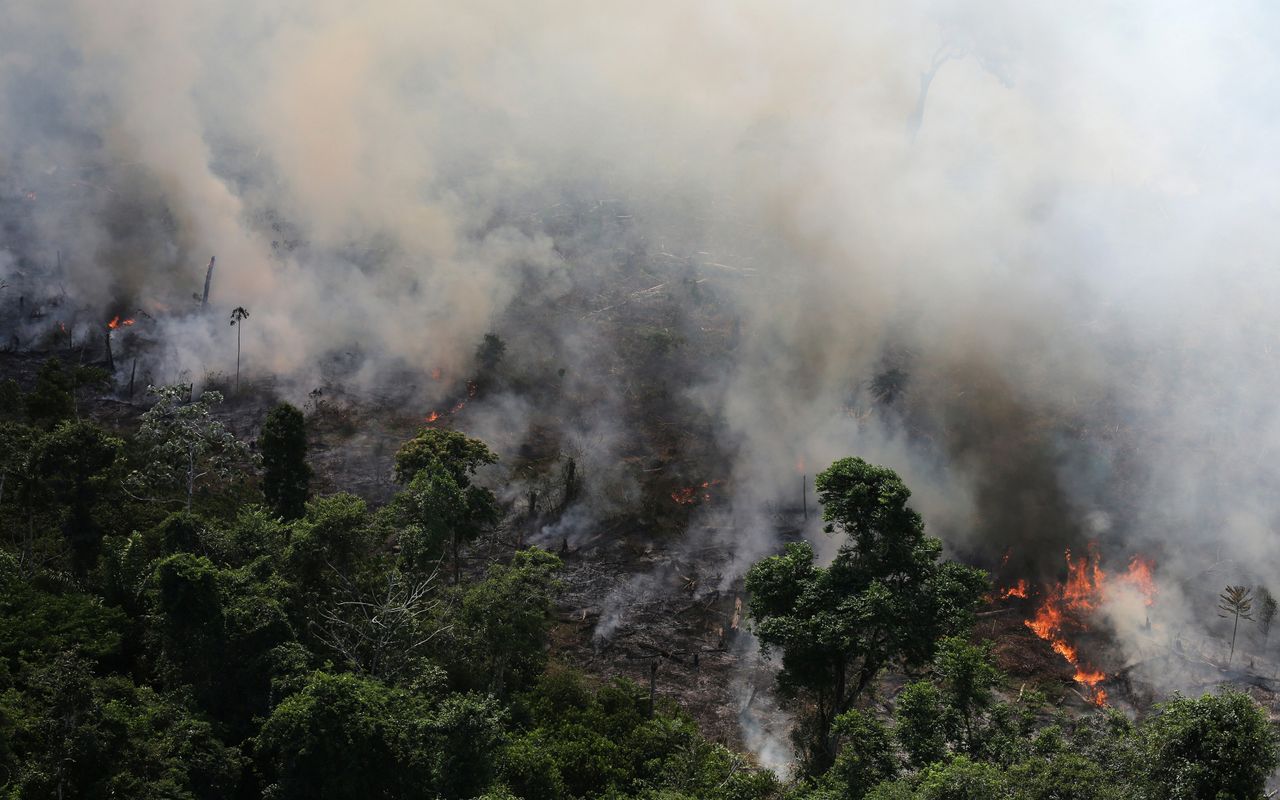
(180,619)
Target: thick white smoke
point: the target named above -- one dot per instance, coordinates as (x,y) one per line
(1049,226)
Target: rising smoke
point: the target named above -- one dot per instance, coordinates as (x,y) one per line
(1019,253)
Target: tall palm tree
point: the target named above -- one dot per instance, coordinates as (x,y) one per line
(1236,601)
(238,315)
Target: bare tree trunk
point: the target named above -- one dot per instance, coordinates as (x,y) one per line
(238,327)
(208,277)
(1234,628)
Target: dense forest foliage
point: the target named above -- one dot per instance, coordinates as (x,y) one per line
(183,619)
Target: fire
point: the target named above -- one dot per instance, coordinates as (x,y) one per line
(693,494)
(435,416)
(1018,590)
(1139,576)
(1066,606)
(437,374)
(116,322)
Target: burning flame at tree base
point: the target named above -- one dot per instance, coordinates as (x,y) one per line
(1066,607)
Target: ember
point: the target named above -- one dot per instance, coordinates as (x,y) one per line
(694,494)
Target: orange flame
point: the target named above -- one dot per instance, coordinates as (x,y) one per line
(1067,605)
(1018,590)
(1139,576)
(693,494)
(116,322)
(472,388)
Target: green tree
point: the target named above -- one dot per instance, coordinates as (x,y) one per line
(331,545)
(286,476)
(38,625)
(885,598)
(217,631)
(1208,748)
(184,444)
(11,402)
(461,455)
(19,484)
(499,633)
(71,464)
(918,724)
(74,735)
(441,507)
(968,678)
(313,737)
(188,609)
(53,399)
(866,760)
(961,779)
(464,734)
(1236,603)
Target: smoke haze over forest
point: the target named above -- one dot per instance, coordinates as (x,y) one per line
(1021,254)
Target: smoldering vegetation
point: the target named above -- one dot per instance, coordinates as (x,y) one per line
(1021,255)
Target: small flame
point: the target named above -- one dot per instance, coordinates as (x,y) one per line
(693,494)
(435,416)
(1018,590)
(437,374)
(116,322)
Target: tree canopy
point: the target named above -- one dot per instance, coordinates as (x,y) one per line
(886,598)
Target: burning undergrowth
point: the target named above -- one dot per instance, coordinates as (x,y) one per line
(1069,613)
